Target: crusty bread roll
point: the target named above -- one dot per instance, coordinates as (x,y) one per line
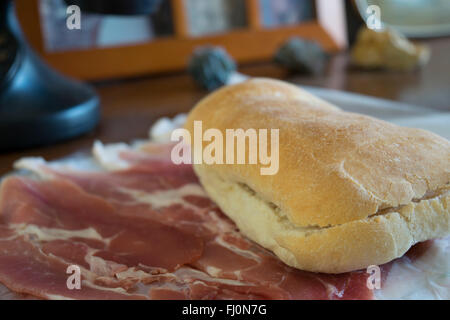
(351,190)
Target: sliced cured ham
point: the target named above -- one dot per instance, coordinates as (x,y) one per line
(145,231)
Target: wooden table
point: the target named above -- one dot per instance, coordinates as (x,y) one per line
(130,106)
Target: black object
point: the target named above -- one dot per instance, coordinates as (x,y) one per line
(117,7)
(37,105)
(354,21)
(211,67)
(159,10)
(302,56)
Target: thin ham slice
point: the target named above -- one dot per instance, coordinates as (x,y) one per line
(147,230)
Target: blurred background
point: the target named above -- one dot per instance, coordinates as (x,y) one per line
(135,55)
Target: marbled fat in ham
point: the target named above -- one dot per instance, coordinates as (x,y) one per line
(146,231)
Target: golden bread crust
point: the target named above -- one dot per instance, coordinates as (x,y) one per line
(337,172)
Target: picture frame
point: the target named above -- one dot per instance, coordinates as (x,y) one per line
(252,43)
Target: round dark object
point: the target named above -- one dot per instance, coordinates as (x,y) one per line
(302,56)
(211,67)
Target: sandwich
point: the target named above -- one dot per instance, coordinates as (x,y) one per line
(351,191)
